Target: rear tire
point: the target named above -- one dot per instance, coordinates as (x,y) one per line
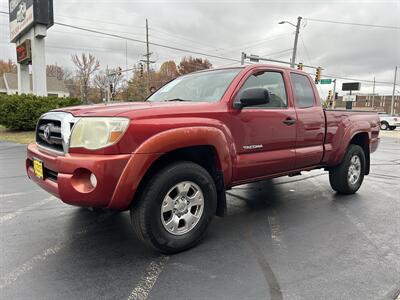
(151,214)
(347,177)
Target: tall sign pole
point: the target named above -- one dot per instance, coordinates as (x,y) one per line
(29,21)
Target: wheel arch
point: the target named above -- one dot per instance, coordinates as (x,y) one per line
(362,139)
(203,155)
(209,147)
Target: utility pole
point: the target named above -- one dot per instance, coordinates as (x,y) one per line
(296,38)
(394,90)
(373,95)
(147,56)
(147,60)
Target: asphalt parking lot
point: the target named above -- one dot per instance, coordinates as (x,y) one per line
(291,238)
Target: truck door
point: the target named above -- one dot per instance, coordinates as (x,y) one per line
(264,135)
(310,122)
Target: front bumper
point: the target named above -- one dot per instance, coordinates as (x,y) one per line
(66,176)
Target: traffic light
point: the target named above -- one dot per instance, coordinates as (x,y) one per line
(119,71)
(141,70)
(111,89)
(300,66)
(318,75)
(330,95)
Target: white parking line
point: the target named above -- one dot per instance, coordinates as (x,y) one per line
(390,255)
(276,232)
(17,194)
(12,215)
(146,283)
(28,265)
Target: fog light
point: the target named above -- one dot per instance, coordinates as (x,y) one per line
(93,180)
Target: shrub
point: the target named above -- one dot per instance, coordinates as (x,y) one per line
(21,112)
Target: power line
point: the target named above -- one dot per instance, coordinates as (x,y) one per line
(201,53)
(144,42)
(139,41)
(355,24)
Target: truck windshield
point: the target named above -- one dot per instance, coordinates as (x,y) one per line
(198,87)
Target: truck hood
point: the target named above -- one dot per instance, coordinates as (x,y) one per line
(114,109)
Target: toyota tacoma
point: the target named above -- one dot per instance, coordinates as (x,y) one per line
(170,159)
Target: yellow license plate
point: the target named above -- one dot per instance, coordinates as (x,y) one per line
(38,168)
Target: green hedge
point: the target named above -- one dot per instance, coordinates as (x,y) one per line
(21,112)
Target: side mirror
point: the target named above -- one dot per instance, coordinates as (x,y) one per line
(253,97)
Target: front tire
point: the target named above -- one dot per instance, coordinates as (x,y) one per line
(347,177)
(392,127)
(175,207)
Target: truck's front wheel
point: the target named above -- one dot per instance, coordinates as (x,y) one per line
(175,207)
(347,177)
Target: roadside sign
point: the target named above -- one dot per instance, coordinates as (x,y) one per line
(24,14)
(351,86)
(325,81)
(24,53)
(254,58)
(350,98)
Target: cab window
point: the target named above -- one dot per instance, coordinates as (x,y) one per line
(302,90)
(273,82)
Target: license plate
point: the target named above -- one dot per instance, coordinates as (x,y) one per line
(38,168)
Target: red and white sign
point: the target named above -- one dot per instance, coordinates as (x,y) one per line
(21,17)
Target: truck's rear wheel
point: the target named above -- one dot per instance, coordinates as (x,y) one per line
(347,177)
(175,207)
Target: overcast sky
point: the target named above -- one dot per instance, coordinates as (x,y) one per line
(227,28)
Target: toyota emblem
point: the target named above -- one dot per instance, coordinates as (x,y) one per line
(46,132)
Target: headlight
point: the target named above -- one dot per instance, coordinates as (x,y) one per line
(96,133)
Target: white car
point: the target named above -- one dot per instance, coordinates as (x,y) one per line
(389,122)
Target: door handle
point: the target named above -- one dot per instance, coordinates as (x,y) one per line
(289,121)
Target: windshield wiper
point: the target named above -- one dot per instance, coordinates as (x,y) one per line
(175,99)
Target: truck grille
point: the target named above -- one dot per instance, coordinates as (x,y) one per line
(53,130)
(48,134)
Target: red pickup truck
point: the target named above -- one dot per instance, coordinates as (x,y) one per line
(170,159)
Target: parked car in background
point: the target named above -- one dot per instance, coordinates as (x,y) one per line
(388,121)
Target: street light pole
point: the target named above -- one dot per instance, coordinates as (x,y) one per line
(296,38)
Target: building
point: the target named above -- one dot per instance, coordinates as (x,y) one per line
(368,102)
(55,86)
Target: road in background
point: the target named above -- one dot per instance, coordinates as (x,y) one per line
(290,238)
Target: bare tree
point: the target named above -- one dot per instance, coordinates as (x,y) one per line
(85,67)
(60,72)
(101,82)
(114,82)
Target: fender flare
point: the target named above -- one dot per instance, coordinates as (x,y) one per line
(153,148)
(350,133)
